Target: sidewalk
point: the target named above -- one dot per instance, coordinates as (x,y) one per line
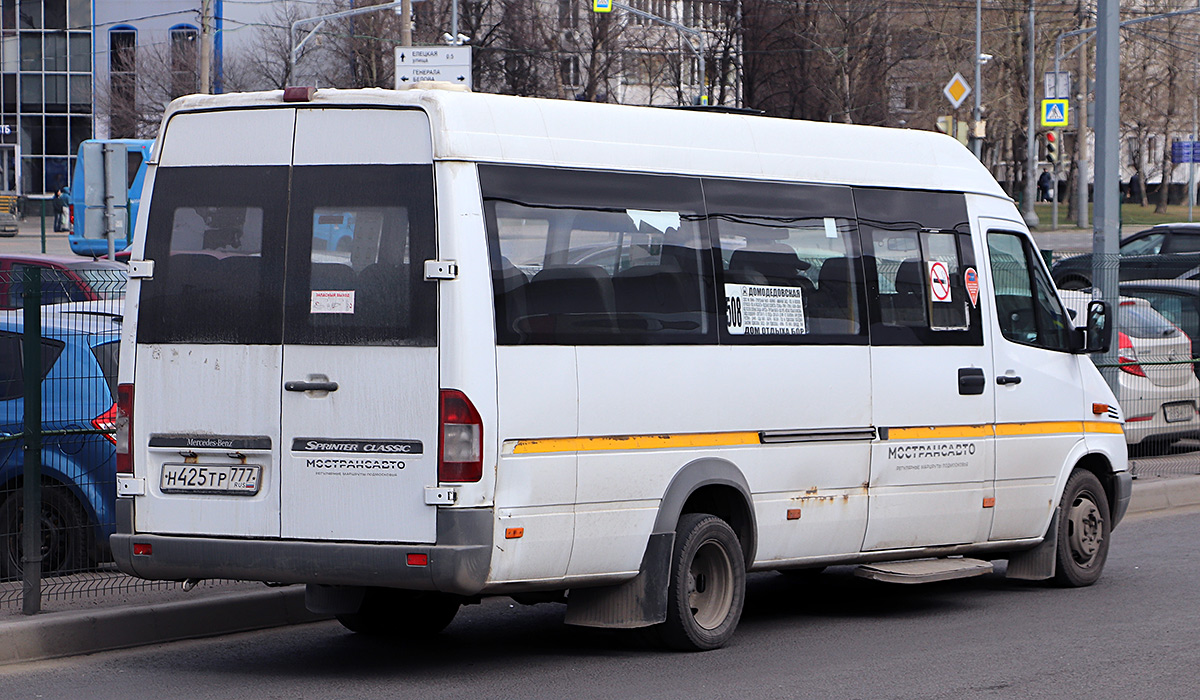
(80,626)
(29,239)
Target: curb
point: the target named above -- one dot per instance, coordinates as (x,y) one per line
(1179,492)
(67,634)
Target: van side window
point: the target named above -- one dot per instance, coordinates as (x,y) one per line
(1027,308)
(790,269)
(596,258)
(917,254)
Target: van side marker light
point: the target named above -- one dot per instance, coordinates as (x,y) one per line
(514,533)
(1099,409)
(299,94)
(142,549)
(418,559)
(793,514)
(989,502)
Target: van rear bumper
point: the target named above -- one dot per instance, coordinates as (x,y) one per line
(459,563)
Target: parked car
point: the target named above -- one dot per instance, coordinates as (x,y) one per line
(1178,300)
(1165,251)
(1158,398)
(64,278)
(80,343)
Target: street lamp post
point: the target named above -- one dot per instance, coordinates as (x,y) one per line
(1030,216)
(977,114)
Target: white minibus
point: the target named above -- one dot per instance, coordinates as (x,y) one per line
(413,348)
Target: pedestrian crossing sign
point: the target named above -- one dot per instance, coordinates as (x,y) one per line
(1054,113)
(602,6)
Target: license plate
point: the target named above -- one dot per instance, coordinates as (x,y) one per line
(1179,411)
(233,479)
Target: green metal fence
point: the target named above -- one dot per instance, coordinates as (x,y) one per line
(59,345)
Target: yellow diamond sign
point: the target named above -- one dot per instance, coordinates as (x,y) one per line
(956,90)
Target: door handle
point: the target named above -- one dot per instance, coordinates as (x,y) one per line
(310,386)
(971,381)
(1006,379)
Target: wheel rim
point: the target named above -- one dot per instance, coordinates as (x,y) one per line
(1086,529)
(55,538)
(710,585)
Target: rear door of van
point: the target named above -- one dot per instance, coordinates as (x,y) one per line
(286,379)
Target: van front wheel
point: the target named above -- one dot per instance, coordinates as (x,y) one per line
(391,612)
(707,585)
(1084,526)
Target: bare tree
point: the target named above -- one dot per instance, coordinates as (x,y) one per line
(265,63)
(134,100)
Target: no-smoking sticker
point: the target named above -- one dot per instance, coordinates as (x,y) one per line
(939,281)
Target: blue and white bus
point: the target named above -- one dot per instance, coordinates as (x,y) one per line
(92,243)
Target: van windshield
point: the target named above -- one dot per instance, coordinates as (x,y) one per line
(352,240)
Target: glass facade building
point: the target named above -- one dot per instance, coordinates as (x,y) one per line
(45,91)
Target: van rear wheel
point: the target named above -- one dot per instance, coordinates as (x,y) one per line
(391,612)
(707,585)
(1084,526)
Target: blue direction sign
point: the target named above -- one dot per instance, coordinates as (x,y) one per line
(1184,151)
(1054,113)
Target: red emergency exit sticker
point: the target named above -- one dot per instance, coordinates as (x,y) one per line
(972,280)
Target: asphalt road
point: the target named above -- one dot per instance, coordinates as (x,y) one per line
(1132,635)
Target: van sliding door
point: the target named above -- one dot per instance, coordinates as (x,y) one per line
(932,468)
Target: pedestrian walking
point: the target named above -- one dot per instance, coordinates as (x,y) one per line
(1045,187)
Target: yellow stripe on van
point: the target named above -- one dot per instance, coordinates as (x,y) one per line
(953,432)
(634,442)
(1099,426)
(1040,428)
(940,432)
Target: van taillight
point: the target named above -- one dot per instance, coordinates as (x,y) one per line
(71,213)
(1126,357)
(460,448)
(124,427)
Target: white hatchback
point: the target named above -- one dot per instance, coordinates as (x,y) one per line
(1158,390)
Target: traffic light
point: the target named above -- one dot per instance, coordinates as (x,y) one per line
(1051,147)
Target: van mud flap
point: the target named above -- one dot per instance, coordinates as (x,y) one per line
(1039,563)
(639,602)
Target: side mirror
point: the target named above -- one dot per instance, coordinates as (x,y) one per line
(1097,337)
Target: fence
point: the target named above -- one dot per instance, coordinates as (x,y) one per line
(59,341)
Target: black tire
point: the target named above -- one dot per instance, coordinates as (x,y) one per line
(1075,283)
(1084,526)
(707,586)
(389,612)
(66,535)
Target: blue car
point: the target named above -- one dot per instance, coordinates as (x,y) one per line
(80,343)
